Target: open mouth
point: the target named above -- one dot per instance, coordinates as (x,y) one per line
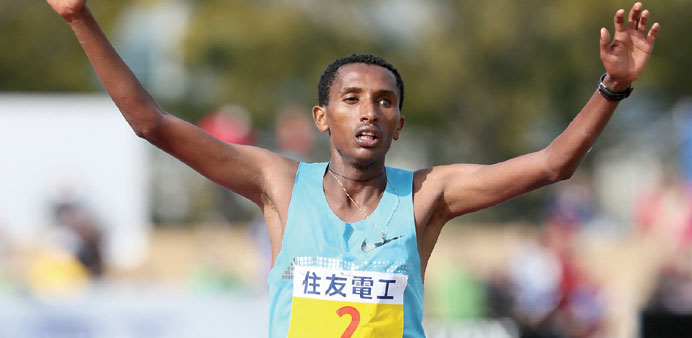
(367,137)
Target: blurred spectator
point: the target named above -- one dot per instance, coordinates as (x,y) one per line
(535,275)
(70,252)
(571,204)
(294,132)
(581,307)
(669,310)
(231,124)
(673,291)
(499,298)
(584,310)
(664,214)
(549,295)
(80,234)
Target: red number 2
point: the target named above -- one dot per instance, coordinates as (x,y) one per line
(355,320)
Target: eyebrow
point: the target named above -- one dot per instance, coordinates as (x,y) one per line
(351,90)
(358,89)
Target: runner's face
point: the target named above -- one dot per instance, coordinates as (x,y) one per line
(362,115)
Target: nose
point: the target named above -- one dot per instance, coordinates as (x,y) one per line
(369,112)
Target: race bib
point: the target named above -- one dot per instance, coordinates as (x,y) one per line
(346,304)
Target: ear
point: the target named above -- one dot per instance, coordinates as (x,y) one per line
(319,115)
(399,127)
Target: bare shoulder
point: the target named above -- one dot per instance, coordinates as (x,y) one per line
(429,186)
(437,176)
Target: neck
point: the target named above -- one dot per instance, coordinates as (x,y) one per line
(355,179)
(357,171)
(342,190)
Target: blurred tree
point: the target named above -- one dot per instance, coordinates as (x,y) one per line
(494,78)
(38,51)
(484,72)
(261,54)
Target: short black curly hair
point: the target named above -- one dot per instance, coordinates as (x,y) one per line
(329,74)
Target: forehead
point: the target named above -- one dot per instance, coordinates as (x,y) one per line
(364,76)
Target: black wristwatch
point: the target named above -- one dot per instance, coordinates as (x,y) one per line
(611,95)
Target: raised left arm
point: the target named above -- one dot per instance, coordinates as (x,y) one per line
(445,192)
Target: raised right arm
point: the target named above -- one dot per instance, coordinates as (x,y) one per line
(252,172)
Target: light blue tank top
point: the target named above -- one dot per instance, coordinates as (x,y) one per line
(333,278)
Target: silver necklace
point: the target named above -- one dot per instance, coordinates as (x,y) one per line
(367,217)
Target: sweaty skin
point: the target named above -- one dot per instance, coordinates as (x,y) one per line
(362,118)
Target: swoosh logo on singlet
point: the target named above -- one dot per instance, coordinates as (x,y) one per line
(365,247)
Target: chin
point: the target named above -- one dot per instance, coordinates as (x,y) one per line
(369,155)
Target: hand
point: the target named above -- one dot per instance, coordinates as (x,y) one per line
(625,58)
(67,9)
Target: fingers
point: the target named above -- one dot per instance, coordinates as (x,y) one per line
(636,20)
(655,28)
(604,43)
(605,39)
(633,18)
(619,20)
(642,21)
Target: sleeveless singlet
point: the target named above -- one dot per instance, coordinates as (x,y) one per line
(338,279)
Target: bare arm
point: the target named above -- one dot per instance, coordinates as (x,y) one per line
(242,169)
(445,192)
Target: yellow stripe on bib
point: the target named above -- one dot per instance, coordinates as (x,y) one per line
(327,318)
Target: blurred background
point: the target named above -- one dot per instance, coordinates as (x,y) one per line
(102,235)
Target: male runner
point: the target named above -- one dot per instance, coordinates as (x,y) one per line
(351,238)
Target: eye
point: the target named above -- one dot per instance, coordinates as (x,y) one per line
(385,102)
(351,99)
